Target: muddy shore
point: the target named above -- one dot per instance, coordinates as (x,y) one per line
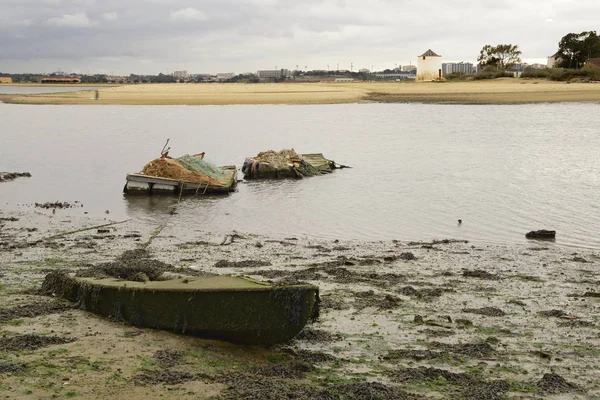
(399,320)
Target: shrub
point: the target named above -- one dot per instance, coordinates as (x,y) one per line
(492,73)
(589,72)
(455,76)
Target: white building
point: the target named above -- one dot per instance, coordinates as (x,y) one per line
(462,67)
(553,61)
(408,68)
(429,66)
(181,74)
(274,74)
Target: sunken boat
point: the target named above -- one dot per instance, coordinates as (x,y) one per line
(188,174)
(234,309)
(287,164)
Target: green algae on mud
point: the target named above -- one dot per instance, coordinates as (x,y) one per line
(223,307)
(366,333)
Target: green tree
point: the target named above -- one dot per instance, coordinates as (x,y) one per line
(502,56)
(575,49)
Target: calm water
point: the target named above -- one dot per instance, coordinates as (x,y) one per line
(4,89)
(504,170)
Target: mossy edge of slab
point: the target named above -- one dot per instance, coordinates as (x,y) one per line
(252,313)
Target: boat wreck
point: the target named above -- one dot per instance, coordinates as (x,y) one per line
(189,174)
(234,309)
(287,164)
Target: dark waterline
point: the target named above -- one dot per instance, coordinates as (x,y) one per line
(503,170)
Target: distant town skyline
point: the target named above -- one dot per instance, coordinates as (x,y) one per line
(210,36)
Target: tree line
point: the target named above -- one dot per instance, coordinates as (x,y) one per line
(574,51)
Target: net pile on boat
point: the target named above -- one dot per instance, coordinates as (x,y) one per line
(278,160)
(277,164)
(187,168)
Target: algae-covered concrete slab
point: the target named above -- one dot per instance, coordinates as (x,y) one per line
(193,284)
(228,308)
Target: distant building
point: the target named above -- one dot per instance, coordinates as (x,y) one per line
(396,75)
(224,76)
(409,68)
(274,74)
(537,66)
(6,79)
(429,66)
(553,60)
(56,79)
(344,80)
(181,74)
(595,61)
(462,67)
(364,70)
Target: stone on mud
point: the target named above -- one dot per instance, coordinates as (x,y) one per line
(541,234)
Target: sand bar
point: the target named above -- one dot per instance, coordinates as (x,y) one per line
(500,91)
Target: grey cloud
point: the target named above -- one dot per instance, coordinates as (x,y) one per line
(150,36)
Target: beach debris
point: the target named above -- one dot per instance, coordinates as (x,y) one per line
(10,176)
(481,274)
(58,204)
(542,234)
(487,311)
(554,383)
(30,342)
(135,265)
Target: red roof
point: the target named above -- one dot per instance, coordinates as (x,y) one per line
(595,61)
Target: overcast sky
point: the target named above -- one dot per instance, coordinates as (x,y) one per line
(209,36)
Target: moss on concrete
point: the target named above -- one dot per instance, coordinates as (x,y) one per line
(228,308)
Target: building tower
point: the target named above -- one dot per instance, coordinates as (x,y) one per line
(429,66)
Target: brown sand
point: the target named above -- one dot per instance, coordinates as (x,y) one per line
(500,91)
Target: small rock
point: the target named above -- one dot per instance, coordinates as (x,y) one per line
(541,234)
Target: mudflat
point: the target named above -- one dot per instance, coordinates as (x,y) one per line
(399,319)
(499,91)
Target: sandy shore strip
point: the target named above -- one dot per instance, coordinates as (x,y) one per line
(399,320)
(500,91)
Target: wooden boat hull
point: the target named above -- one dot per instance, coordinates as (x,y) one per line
(228,308)
(150,185)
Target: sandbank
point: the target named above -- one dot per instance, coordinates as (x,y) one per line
(499,91)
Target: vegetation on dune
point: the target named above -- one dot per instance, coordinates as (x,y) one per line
(589,72)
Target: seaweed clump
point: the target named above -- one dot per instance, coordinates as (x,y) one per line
(133,265)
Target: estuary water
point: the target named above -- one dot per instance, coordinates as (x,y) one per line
(417,169)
